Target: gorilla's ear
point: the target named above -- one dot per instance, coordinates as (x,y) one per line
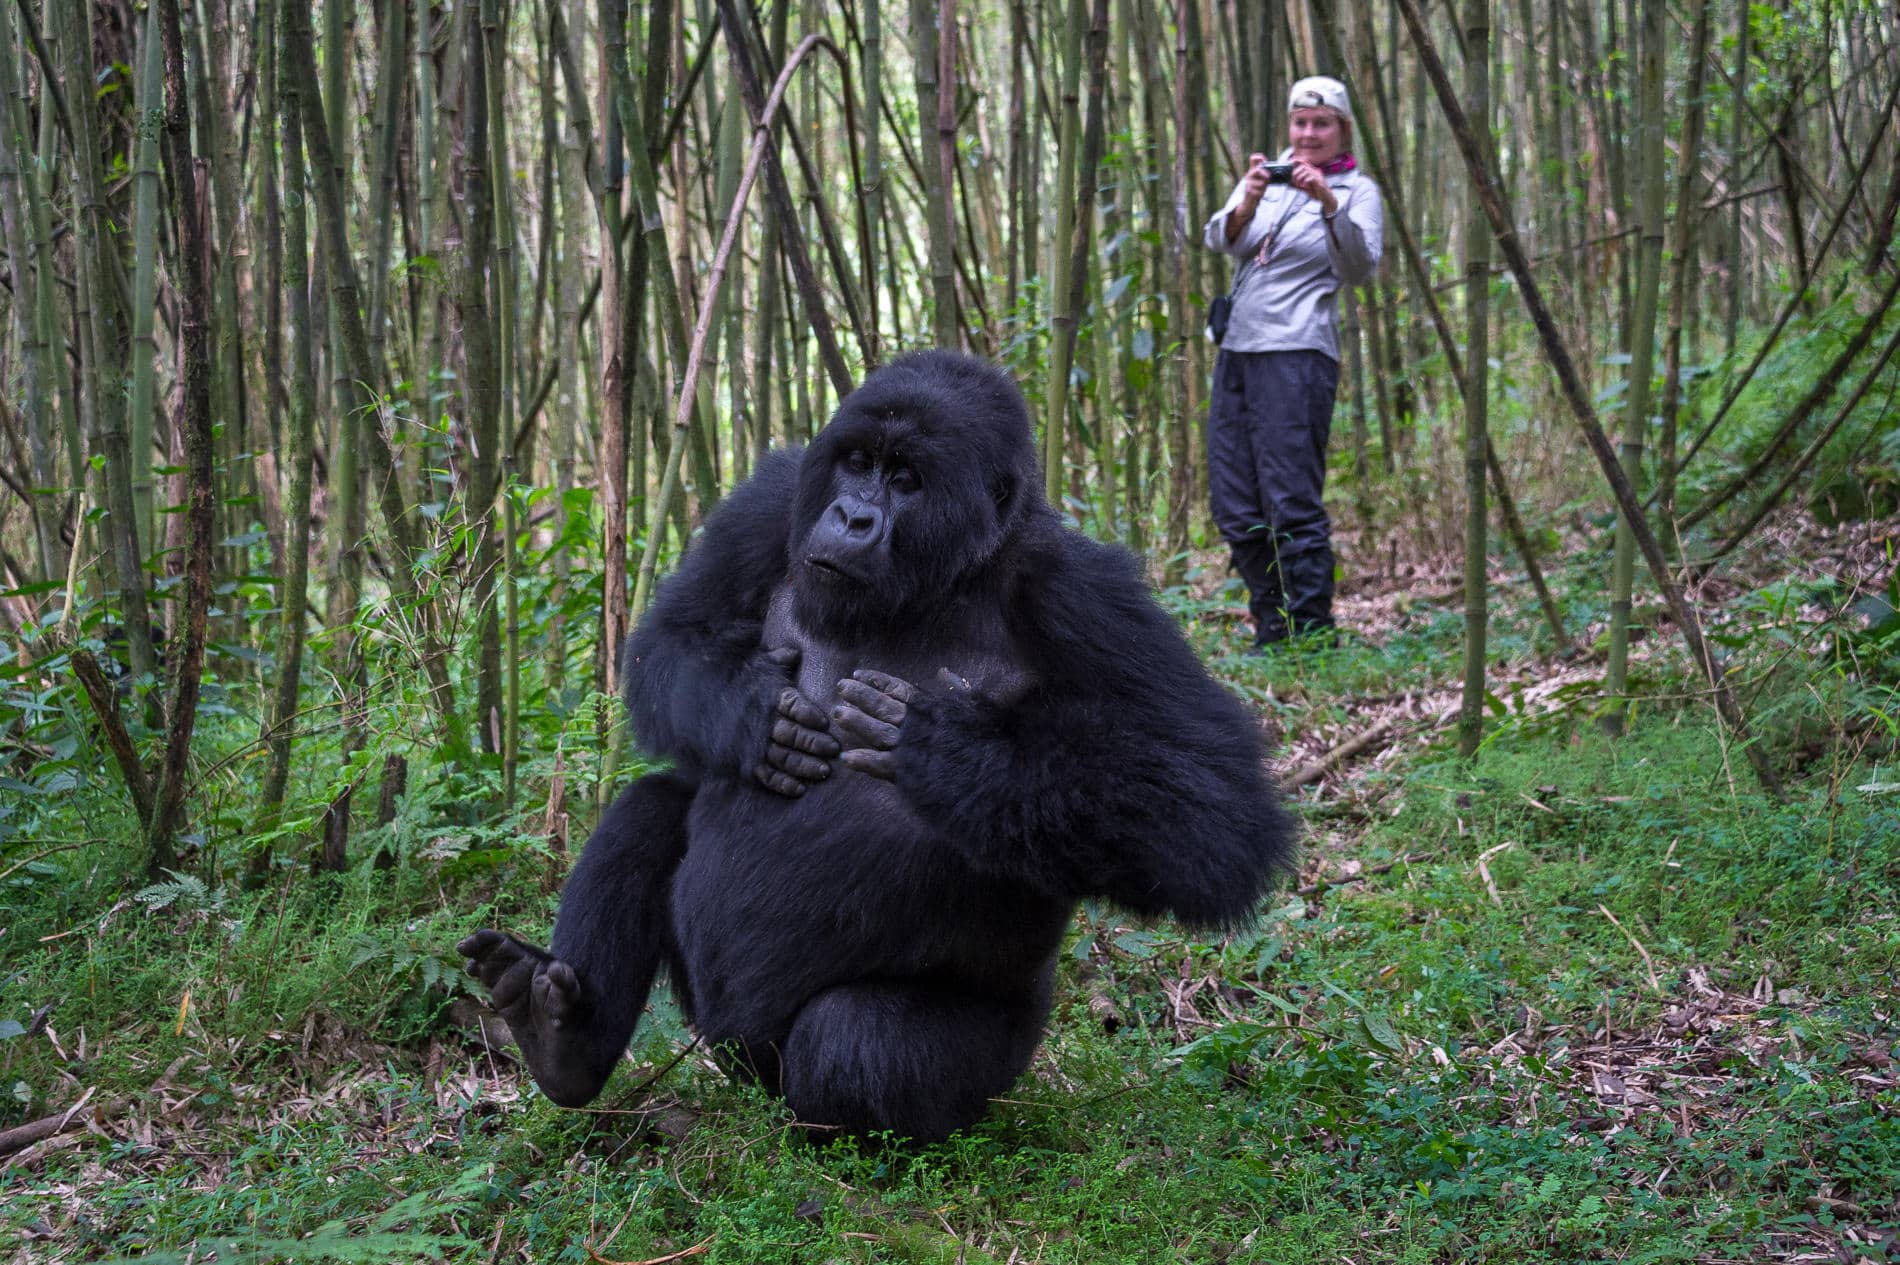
(1003,491)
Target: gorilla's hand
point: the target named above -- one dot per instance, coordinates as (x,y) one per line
(799,750)
(529,986)
(870,716)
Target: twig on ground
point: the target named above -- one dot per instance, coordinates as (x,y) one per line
(1649,965)
(1484,870)
(1378,735)
(698,1249)
(1314,889)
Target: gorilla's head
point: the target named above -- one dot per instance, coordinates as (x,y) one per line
(923,474)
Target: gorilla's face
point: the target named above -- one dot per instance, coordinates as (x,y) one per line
(915,484)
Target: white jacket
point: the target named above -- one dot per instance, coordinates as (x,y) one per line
(1288,305)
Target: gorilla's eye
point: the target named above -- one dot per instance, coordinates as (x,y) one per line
(858,461)
(904,479)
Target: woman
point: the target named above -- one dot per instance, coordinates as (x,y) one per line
(1299,229)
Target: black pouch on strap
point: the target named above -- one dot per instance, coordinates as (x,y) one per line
(1221,311)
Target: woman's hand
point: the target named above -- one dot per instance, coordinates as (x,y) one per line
(1253,186)
(1254,182)
(1311,181)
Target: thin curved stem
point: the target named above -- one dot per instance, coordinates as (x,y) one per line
(702,327)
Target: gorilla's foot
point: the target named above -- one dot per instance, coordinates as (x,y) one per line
(546,1009)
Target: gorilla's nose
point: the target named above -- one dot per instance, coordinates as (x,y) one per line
(856,520)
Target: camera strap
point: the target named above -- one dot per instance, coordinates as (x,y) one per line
(1288,202)
(1240,271)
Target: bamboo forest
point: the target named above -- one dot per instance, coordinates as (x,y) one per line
(1093,631)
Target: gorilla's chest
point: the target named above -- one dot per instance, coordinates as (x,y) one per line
(975,649)
(886,870)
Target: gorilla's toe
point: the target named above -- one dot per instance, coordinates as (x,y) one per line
(557,992)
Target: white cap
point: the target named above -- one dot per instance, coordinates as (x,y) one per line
(1319,92)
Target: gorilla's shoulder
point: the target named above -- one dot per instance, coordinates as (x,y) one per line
(731,564)
(1059,558)
(1080,598)
(760,508)
(774,481)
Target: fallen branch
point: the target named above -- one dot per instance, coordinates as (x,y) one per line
(1379,735)
(21,1136)
(1484,870)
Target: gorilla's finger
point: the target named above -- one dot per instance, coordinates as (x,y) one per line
(800,710)
(896,686)
(786,657)
(806,738)
(868,699)
(879,764)
(772,780)
(557,991)
(796,763)
(951,679)
(862,730)
(481,943)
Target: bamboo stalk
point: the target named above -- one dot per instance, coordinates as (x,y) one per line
(1578,398)
(1056,381)
(301,439)
(194,334)
(17,177)
(1642,347)
(1476,386)
(1687,216)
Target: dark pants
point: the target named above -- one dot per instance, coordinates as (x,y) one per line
(1267,426)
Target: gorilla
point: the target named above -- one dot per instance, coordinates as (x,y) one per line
(912,720)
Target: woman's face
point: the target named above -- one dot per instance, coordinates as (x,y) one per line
(1317,135)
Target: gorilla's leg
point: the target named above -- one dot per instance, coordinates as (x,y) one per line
(573,1007)
(916,1061)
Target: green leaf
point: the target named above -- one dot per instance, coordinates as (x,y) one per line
(1274,999)
(1138,944)
(1381,1033)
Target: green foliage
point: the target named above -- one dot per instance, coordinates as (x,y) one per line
(1396,1065)
(392,1234)
(1401,1067)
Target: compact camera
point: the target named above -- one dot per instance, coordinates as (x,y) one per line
(1278,173)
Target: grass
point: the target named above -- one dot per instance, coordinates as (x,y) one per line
(1584,1000)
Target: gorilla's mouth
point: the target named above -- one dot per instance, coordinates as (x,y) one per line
(830,570)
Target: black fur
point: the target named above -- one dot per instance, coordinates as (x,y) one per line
(871,926)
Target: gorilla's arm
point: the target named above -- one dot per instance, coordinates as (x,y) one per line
(1124,772)
(700,687)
